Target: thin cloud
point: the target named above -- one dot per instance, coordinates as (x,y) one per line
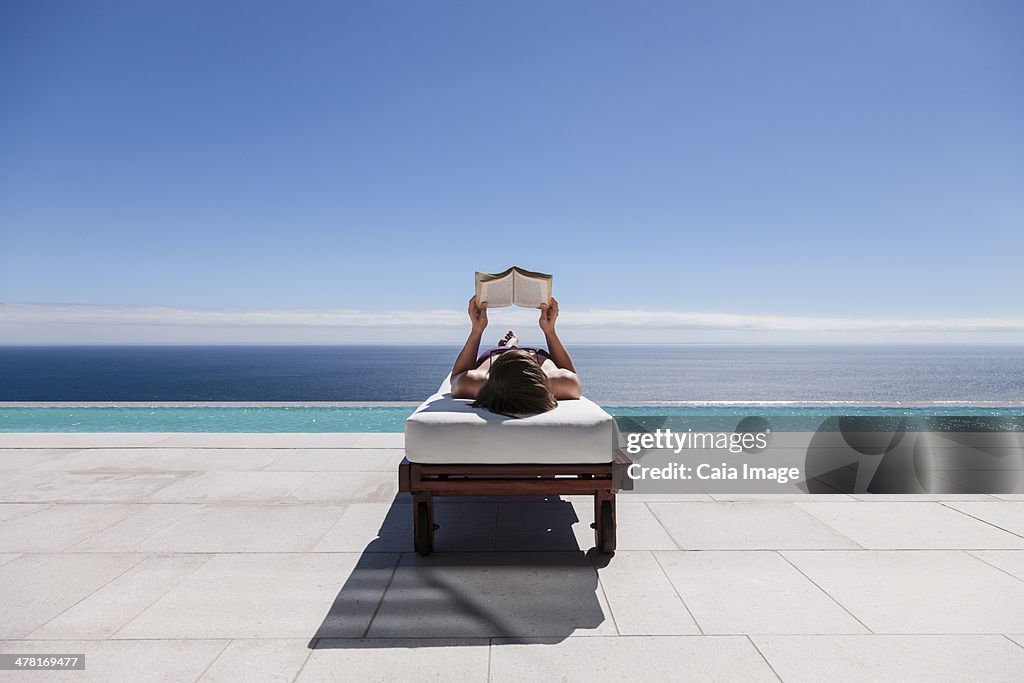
(729,321)
(28,315)
(88,314)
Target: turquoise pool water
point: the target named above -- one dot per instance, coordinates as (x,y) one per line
(392,418)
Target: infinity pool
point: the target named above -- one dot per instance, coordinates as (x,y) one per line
(391,418)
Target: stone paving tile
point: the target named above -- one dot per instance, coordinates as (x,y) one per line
(634,497)
(629,658)
(461,527)
(781,497)
(103,459)
(96,487)
(636,526)
(12,510)
(369,527)
(478,595)
(245,528)
(82,439)
(424,659)
(641,597)
(546,525)
(344,487)
(268,661)
(269,595)
(892,658)
(258,440)
(39,587)
(101,614)
(1006,515)
(147,520)
(56,527)
(918,591)
(910,525)
(745,526)
(920,497)
(163,459)
(232,486)
(370,440)
(487,523)
(217,459)
(1010,561)
(109,661)
(752,592)
(13,459)
(339,460)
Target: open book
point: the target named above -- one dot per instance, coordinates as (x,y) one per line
(513,286)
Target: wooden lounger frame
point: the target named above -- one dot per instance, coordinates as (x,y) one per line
(602,480)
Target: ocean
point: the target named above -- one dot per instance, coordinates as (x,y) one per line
(619,374)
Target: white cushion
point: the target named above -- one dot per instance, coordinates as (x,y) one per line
(446,430)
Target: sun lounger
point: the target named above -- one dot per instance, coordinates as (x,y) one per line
(453,449)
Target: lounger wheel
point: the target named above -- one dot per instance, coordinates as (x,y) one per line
(423,538)
(606,528)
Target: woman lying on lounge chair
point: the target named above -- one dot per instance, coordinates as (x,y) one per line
(510,379)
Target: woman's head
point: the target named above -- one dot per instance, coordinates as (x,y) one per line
(516,384)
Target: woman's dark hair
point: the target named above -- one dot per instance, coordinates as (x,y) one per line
(515,384)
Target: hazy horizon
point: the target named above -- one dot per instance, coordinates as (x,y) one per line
(48,324)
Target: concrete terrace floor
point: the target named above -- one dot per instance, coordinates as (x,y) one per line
(287,557)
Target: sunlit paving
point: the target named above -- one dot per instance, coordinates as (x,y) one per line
(290,556)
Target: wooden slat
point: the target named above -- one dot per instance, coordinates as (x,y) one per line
(517,469)
(404,479)
(620,479)
(512,487)
(515,479)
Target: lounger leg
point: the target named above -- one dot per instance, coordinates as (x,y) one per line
(604,521)
(423,523)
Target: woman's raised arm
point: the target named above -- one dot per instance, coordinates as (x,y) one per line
(467,357)
(559,356)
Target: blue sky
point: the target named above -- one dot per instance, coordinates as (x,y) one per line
(765,161)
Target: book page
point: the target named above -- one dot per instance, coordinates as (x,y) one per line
(497,293)
(531,292)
